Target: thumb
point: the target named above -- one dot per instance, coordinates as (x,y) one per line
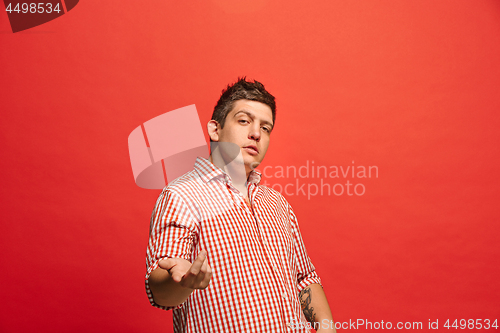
(166,263)
(176,276)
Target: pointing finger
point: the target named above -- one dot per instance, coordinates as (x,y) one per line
(198,263)
(204,267)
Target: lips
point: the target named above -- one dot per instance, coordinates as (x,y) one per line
(252,148)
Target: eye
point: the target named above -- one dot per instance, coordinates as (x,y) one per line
(267,128)
(243,121)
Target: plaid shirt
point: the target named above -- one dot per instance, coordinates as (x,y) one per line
(256,253)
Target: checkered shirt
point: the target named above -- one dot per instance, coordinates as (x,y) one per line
(258,259)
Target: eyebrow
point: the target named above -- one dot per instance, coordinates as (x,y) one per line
(248,113)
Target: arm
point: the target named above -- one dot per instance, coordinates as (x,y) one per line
(175,279)
(316,308)
(172,237)
(312,297)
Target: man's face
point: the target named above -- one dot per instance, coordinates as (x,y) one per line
(248,125)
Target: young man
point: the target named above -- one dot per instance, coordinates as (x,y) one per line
(225,253)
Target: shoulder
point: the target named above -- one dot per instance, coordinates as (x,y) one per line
(183,182)
(270,191)
(189,188)
(180,197)
(181,186)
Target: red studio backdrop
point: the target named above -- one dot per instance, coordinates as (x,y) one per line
(404,93)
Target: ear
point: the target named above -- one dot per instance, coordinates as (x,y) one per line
(213,130)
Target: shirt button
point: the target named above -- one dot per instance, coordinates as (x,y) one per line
(284,295)
(275,268)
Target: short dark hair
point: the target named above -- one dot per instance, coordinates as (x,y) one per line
(242,89)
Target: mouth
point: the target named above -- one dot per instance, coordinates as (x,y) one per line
(252,150)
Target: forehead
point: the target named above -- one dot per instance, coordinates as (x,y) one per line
(257,109)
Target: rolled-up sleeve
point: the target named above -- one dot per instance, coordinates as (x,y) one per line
(306,273)
(173,232)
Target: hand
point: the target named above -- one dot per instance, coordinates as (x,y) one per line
(193,276)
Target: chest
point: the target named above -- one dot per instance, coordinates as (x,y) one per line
(236,228)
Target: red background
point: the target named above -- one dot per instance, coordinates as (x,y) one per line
(409,86)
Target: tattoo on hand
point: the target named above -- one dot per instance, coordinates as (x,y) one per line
(305,302)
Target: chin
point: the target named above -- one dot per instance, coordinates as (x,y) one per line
(252,164)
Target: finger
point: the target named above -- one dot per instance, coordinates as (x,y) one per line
(204,267)
(199,281)
(195,275)
(206,279)
(199,278)
(204,276)
(169,265)
(166,263)
(198,263)
(177,276)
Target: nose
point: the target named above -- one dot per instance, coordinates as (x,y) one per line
(254,133)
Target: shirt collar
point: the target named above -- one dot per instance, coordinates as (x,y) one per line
(208,171)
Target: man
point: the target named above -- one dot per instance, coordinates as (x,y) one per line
(225,253)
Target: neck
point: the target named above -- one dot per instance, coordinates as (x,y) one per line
(235,169)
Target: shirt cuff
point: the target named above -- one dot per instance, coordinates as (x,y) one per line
(309,280)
